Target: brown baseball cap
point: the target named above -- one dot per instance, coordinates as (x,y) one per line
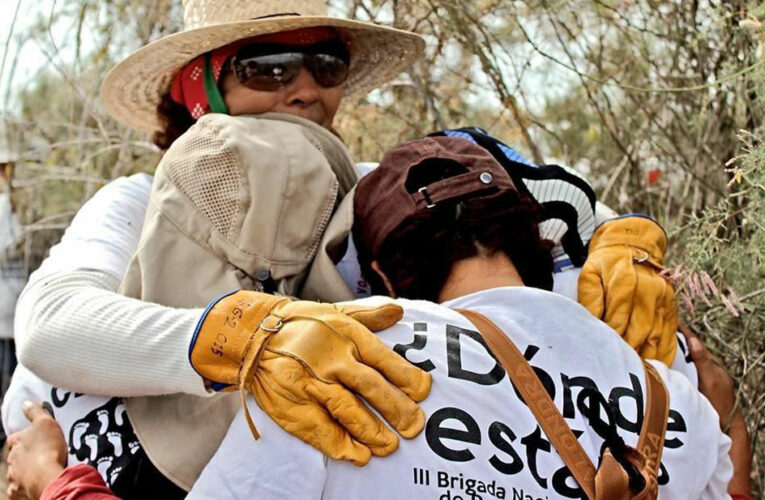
(383,201)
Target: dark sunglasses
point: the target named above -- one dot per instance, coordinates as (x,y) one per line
(269,67)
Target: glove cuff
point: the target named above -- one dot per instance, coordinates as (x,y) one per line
(225,332)
(637,231)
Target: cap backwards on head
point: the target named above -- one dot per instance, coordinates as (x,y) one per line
(385,198)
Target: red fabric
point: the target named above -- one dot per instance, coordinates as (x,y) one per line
(305,36)
(652,177)
(188,86)
(81,482)
(740,496)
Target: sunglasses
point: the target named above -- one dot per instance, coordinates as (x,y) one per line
(269,67)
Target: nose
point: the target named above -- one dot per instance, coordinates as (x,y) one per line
(303,91)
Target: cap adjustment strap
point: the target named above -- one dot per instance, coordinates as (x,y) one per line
(471,183)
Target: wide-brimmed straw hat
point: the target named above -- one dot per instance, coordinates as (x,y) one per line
(133,88)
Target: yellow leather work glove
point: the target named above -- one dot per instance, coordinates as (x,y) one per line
(303,361)
(621,284)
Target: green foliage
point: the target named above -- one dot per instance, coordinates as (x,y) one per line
(727,242)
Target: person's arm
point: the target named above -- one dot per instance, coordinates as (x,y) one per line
(36,455)
(83,335)
(80,482)
(75,331)
(741,456)
(717,386)
(36,464)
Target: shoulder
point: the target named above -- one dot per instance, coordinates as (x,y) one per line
(414,310)
(120,198)
(133,188)
(603,213)
(105,231)
(123,198)
(683,394)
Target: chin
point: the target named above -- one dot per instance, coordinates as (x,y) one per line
(317,120)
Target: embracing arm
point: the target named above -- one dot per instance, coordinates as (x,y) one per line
(79,333)
(717,386)
(74,330)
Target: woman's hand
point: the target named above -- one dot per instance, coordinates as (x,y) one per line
(307,363)
(37,454)
(622,284)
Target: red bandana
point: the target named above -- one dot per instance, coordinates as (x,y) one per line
(188,86)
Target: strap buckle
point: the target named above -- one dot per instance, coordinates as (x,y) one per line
(426,195)
(640,255)
(271,329)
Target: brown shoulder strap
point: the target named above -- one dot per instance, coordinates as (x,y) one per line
(538,401)
(651,441)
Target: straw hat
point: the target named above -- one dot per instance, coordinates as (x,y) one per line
(133,88)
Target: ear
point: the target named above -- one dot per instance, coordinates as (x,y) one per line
(384,277)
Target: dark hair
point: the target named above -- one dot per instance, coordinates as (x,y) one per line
(419,254)
(175,119)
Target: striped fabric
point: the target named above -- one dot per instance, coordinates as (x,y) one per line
(513,155)
(567,199)
(459,134)
(509,152)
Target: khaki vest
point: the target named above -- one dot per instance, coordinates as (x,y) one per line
(236,202)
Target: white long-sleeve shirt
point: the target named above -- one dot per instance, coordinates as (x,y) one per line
(134,348)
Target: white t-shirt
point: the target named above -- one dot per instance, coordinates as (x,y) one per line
(480,441)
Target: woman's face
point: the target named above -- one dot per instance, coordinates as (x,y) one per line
(302,97)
